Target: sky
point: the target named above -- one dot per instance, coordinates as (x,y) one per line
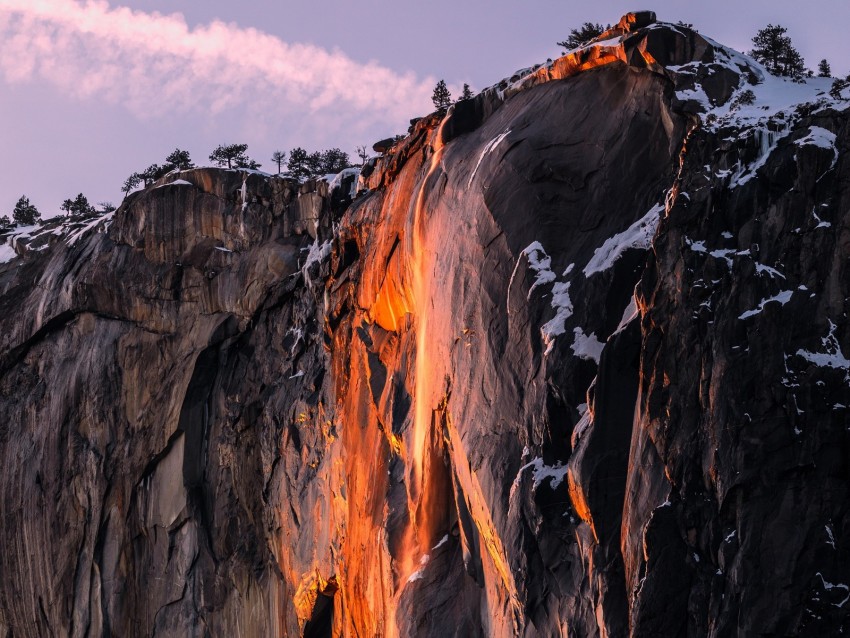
(94,90)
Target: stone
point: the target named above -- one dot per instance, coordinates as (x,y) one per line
(554,371)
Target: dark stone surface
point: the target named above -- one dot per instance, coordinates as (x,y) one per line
(238,410)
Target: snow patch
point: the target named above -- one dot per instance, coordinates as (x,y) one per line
(587,346)
(638,235)
(491,145)
(7,253)
(540,262)
(335,181)
(443,541)
(831,538)
(563,306)
(244,192)
(317,253)
(783,297)
(832,358)
(176,182)
(555,474)
(828,586)
(818,136)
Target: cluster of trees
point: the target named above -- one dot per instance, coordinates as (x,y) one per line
(772,47)
(442,97)
(302,164)
(178,159)
(233,156)
(229,155)
(26,214)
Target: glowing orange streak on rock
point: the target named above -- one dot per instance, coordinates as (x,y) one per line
(420,532)
(480,512)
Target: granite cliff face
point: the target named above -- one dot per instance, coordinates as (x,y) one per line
(572,362)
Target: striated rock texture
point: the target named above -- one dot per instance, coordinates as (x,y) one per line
(572,363)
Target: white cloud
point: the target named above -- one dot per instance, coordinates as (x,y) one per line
(154,65)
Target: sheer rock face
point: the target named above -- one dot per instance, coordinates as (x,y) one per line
(574,365)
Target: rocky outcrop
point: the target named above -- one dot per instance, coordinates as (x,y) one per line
(573,364)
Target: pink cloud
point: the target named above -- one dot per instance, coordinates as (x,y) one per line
(155,65)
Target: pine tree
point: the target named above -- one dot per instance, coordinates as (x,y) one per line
(774,50)
(153,173)
(297,164)
(441,97)
(314,163)
(838,86)
(279,157)
(824,70)
(467,93)
(131,183)
(179,159)
(583,34)
(5,223)
(233,156)
(334,160)
(25,214)
(77,207)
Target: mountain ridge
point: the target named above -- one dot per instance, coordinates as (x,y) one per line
(504,390)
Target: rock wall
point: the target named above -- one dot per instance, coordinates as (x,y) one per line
(573,363)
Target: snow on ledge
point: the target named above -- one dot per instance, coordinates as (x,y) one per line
(587,346)
(638,235)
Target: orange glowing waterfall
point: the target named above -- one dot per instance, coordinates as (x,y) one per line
(424,518)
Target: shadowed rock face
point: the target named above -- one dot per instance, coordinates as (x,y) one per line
(574,364)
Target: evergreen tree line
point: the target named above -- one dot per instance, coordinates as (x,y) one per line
(26,214)
(301,163)
(442,97)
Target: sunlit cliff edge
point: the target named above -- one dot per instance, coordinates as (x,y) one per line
(570,360)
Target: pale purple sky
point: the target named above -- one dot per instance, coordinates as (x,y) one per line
(91,91)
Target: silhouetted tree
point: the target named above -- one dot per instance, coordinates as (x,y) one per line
(106,207)
(579,36)
(5,223)
(838,85)
(363,154)
(153,173)
(824,70)
(467,93)
(131,183)
(774,50)
(314,163)
(25,214)
(441,97)
(302,164)
(178,159)
(78,206)
(334,160)
(297,164)
(247,162)
(233,155)
(279,157)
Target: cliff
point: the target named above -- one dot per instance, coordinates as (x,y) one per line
(573,362)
